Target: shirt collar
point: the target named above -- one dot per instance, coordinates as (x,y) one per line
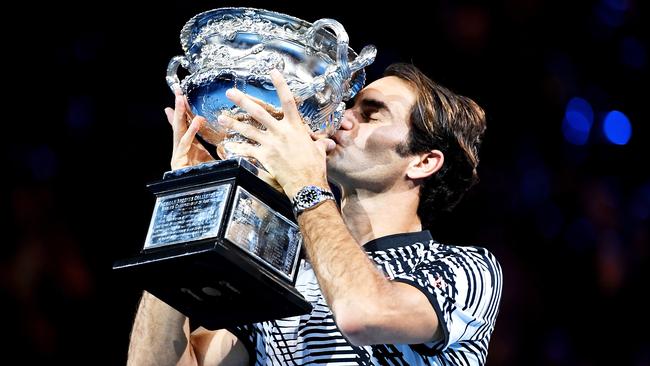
(397,240)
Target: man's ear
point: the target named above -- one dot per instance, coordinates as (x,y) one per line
(425,164)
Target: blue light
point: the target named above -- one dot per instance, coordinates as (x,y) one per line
(617,128)
(575,128)
(581,106)
(578,119)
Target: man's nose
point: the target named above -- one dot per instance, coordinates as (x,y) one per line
(346,121)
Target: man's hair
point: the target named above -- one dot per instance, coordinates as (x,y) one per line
(445,121)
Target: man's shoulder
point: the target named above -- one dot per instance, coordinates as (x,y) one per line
(473,253)
(473,250)
(420,248)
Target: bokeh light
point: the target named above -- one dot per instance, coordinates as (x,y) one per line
(578,119)
(617,128)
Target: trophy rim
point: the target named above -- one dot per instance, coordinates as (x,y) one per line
(186,31)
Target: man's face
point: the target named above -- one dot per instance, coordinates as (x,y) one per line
(366,154)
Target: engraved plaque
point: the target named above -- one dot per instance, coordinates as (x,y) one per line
(187,216)
(269,236)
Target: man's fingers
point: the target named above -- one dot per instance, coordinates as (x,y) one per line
(286,96)
(169,112)
(253,109)
(325,145)
(250,132)
(179,124)
(185,143)
(241,149)
(270,108)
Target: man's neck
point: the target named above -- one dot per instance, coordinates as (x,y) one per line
(370,215)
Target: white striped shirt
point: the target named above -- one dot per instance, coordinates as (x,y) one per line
(463,285)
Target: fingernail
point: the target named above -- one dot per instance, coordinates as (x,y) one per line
(231,92)
(275,72)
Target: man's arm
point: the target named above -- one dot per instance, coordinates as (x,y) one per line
(161,336)
(368,308)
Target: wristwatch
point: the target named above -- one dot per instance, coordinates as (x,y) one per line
(309,197)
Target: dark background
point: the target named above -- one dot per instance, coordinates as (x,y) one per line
(84,131)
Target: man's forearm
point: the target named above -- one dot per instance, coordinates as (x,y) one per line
(348,279)
(159,335)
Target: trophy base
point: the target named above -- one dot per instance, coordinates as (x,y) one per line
(215,284)
(222,248)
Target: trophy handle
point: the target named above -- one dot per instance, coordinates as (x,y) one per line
(174,82)
(335,75)
(172,78)
(345,68)
(342,40)
(365,58)
(338,76)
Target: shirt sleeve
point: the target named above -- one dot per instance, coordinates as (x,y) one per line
(463,285)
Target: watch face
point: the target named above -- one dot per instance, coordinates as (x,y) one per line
(307,197)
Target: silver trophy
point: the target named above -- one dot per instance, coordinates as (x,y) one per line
(223,246)
(238,47)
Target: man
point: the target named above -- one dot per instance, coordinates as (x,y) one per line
(383,291)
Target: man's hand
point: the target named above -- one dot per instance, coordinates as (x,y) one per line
(187,149)
(287,148)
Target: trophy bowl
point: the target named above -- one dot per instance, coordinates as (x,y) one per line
(238,47)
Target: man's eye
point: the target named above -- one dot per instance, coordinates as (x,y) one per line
(367,116)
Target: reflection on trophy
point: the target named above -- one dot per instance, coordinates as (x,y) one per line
(223,246)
